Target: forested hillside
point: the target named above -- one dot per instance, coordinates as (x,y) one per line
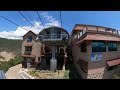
(10,45)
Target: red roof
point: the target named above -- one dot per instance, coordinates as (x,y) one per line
(100,37)
(80,27)
(28,55)
(113,62)
(31,32)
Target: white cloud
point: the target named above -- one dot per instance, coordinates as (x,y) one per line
(19,32)
(51,19)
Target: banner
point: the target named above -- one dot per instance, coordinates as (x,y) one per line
(96,57)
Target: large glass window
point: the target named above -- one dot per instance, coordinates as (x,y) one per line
(83,47)
(29,39)
(112,46)
(98,46)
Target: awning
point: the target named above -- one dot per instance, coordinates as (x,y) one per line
(100,37)
(28,55)
(28,44)
(113,62)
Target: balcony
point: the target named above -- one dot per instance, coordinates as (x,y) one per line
(53,37)
(82,33)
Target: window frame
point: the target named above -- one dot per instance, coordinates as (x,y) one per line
(112,48)
(100,50)
(28,48)
(84,46)
(29,39)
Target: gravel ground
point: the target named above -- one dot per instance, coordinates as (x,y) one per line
(13,72)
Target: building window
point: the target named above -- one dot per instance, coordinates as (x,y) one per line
(112,46)
(98,46)
(28,48)
(83,47)
(29,39)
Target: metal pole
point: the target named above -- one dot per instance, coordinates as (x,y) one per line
(53,61)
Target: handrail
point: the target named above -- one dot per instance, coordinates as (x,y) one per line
(24,74)
(80,34)
(54,36)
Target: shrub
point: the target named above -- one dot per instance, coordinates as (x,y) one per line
(33,72)
(6,65)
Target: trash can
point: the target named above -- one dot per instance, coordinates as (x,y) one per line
(28,65)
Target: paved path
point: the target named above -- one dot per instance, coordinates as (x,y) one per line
(13,72)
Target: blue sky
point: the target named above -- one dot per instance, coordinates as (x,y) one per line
(69,19)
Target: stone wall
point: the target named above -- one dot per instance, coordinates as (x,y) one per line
(103,74)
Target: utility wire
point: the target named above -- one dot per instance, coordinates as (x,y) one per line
(26,19)
(40,19)
(61,19)
(14,23)
(29,16)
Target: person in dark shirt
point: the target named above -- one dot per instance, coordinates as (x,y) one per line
(61,62)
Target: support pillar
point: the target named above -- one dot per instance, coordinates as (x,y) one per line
(28,63)
(53,61)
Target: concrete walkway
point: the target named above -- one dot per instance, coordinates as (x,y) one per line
(13,72)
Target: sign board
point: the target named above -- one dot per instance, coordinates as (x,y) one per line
(96,57)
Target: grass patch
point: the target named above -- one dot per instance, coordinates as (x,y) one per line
(116,76)
(33,72)
(66,74)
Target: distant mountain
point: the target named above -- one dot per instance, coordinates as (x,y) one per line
(10,45)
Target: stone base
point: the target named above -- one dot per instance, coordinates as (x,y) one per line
(53,65)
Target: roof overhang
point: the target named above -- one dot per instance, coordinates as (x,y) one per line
(28,44)
(81,27)
(29,32)
(113,62)
(99,37)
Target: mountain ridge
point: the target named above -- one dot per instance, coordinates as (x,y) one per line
(11,45)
